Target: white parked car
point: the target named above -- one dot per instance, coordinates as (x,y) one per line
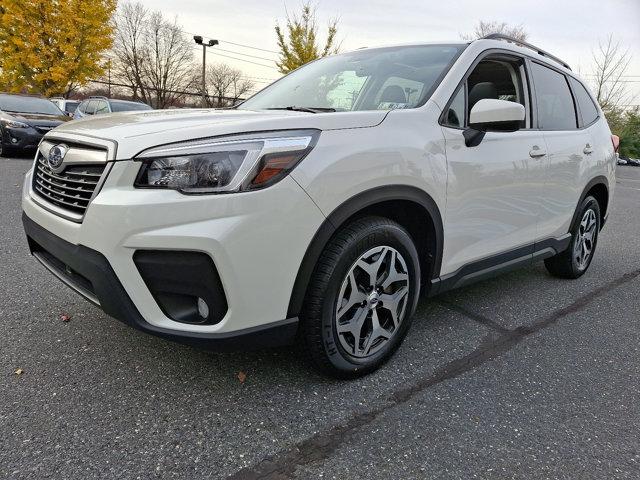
(319,209)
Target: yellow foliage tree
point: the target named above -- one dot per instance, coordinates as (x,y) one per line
(302,46)
(50,47)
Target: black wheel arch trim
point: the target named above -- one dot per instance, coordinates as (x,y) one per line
(348,209)
(599,180)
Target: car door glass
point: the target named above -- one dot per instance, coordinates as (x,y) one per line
(102,107)
(90,109)
(499,79)
(556,110)
(455,113)
(588,109)
(496,79)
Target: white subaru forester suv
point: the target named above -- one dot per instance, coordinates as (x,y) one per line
(318,210)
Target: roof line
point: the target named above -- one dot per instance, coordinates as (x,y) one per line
(539,51)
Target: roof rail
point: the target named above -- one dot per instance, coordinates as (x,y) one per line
(98,96)
(539,51)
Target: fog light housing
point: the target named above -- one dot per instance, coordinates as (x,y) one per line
(185,285)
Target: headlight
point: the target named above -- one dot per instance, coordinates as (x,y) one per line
(14,124)
(232,164)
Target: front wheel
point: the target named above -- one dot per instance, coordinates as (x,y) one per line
(575,260)
(4,151)
(361,297)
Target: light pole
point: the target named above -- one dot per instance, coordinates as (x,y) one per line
(210,43)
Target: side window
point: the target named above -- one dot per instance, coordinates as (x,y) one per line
(455,114)
(495,79)
(556,110)
(102,107)
(82,107)
(90,109)
(588,109)
(499,79)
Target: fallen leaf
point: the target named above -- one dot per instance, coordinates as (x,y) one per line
(18,371)
(242,377)
(65,318)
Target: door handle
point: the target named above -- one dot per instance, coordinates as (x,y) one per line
(537,152)
(587,149)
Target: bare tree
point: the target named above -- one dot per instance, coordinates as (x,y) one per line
(225,85)
(240,86)
(152,54)
(610,65)
(484,28)
(130,48)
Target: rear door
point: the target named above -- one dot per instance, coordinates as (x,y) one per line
(495,189)
(567,148)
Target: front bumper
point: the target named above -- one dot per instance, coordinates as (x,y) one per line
(256,240)
(95,280)
(21,138)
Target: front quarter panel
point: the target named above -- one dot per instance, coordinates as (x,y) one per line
(407,148)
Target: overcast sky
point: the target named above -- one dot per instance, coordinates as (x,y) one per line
(569,29)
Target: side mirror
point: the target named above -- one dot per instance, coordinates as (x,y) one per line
(491,114)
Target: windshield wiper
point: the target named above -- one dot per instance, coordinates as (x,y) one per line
(293,108)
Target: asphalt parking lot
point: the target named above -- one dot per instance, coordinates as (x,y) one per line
(523,376)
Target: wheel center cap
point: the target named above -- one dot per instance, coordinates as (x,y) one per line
(373,300)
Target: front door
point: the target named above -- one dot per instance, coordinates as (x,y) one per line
(495,189)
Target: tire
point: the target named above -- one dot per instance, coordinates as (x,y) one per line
(4,150)
(575,260)
(358,335)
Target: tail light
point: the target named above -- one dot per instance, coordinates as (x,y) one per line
(615,139)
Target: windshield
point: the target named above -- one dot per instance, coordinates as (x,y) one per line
(16,103)
(376,79)
(117,106)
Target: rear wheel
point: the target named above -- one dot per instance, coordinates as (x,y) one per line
(575,260)
(361,297)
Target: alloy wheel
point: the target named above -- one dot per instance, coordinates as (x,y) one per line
(586,238)
(372,301)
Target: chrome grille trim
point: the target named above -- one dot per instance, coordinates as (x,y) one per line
(69,192)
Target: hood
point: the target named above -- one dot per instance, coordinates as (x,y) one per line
(39,119)
(136,131)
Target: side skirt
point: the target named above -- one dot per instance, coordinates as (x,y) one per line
(500,263)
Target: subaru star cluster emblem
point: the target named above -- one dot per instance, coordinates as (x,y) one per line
(56,156)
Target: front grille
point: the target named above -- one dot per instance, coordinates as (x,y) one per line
(72,189)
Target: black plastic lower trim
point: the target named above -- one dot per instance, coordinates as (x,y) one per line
(114,300)
(501,263)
